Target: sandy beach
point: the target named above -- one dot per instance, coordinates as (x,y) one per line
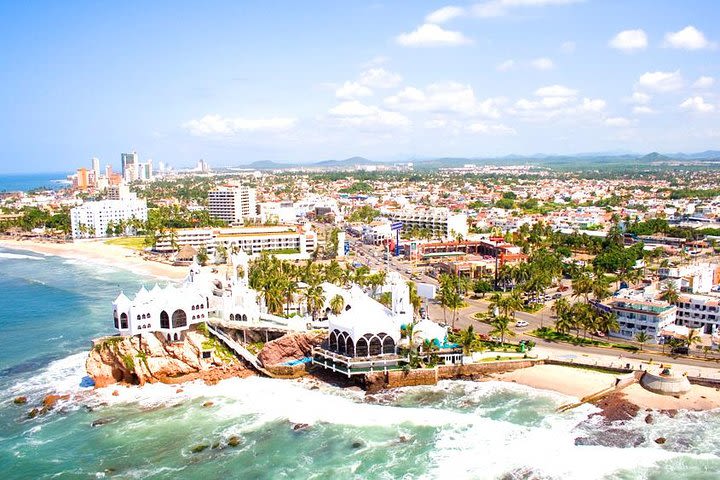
(579,383)
(98,252)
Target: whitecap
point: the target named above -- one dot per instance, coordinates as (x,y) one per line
(18,256)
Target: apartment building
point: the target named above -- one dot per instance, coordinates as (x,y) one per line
(91,219)
(701,312)
(638,311)
(232,204)
(439,221)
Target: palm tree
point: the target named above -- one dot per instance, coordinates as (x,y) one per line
(334,273)
(415,299)
(336,304)
(467,340)
(670,293)
(600,287)
(501,327)
(641,337)
(608,322)
(582,286)
(314,298)
(692,337)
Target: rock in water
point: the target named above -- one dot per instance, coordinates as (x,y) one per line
(660,440)
(300,426)
(290,347)
(208,404)
(102,421)
(199,448)
(649,419)
(20,400)
(233,441)
(357,444)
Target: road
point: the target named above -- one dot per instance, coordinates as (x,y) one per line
(372,256)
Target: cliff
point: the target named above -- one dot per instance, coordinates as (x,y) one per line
(149,358)
(290,347)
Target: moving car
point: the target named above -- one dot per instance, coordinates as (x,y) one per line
(521,323)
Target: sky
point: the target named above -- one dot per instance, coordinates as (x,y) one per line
(234,82)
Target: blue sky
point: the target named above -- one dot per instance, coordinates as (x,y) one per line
(234,82)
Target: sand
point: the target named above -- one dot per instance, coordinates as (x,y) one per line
(578,383)
(98,252)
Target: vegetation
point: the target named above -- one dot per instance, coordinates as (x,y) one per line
(135,243)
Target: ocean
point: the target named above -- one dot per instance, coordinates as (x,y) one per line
(50,308)
(29,181)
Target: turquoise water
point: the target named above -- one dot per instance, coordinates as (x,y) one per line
(29,181)
(50,307)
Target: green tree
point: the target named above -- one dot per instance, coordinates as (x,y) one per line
(641,337)
(337,303)
(501,328)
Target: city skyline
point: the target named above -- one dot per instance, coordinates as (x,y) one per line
(235,84)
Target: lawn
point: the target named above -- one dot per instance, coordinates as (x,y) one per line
(555,336)
(135,243)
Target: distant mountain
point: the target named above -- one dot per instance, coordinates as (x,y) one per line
(706,155)
(348,162)
(266,165)
(654,157)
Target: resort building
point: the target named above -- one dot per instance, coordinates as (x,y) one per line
(439,221)
(170,310)
(91,219)
(232,204)
(639,311)
(377,232)
(281,239)
(694,278)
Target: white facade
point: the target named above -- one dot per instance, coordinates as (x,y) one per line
(251,240)
(639,311)
(170,310)
(695,278)
(377,232)
(439,221)
(701,312)
(233,205)
(91,219)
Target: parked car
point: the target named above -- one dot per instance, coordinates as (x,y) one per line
(521,323)
(557,295)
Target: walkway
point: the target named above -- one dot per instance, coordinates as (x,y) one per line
(243,352)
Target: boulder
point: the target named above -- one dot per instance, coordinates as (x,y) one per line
(20,400)
(660,440)
(50,400)
(290,347)
(649,419)
(233,441)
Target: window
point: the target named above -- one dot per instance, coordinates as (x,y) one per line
(179,319)
(123,321)
(164,320)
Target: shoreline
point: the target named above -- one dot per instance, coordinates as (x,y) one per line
(579,383)
(99,253)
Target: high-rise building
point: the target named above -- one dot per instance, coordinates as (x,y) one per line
(232,204)
(129,162)
(96,168)
(82,179)
(91,219)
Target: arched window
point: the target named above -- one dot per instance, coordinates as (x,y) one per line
(232,317)
(123,321)
(361,347)
(350,348)
(138,317)
(375,346)
(388,345)
(333,341)
(342,345)
(169,338)
(244,317)
(115,319)
(179,319)
(175,337)
(164,320)
(193,307)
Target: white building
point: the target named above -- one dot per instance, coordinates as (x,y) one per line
(170,310)
(440,221)
(233,205)
(701,312)
(377,232)
(91,219)
(694,278)
(639,311)
(280,239)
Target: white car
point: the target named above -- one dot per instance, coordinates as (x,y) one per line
(521,323)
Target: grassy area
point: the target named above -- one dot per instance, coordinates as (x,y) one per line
(135,243)
(554,336)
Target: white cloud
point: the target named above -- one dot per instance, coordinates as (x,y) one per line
(505,66)
(629,41)
(567,47)
(697,104)
(617,122)
(689,38)
(704,82)
(377,60)
(550,107)
(488,129)
(444,14)
(640,98)
(498,8)
(349,90)
(594,105)
(661,81)
(379,78)
(444,97)
(644,110)
(219,125)
(431,35)
(358,114)
(555,91)
(542,63)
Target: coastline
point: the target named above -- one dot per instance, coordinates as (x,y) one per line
(100,253)
(579,382)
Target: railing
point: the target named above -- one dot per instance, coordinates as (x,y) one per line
(239,349)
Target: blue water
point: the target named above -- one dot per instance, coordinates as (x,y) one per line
(50,308)
(31,181)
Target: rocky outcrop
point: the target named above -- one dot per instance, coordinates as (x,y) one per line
(149,358)
(290,347)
